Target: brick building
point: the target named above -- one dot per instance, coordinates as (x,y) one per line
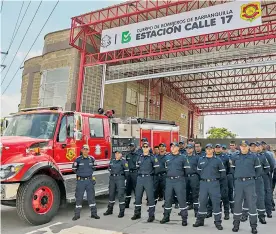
(51,79)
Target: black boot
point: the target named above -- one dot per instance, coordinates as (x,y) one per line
(236,227)
(254,230)
(226,216)
(209,215)
(121,214)
(95,216)
(184,222)
(136,216)
(176,205)
(269,215)
(199,223)
(151,219)
(109,211)
(218,225)
(244,218)
(76,217)
(165,219)
(262,220)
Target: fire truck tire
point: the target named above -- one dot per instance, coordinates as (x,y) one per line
(38,200)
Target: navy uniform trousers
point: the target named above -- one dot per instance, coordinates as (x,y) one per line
(130,185)
(259,183)
(230,179)
(209,190)
(144,183)
(246,190)
(177,185)
(224,197)
(193,183)
(159,186)
(88,186)
(117,183)
(268,193)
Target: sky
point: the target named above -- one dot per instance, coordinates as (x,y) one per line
(250,125)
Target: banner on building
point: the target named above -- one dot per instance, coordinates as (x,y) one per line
(223,17)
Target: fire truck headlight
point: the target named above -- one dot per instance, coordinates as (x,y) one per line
(9,170)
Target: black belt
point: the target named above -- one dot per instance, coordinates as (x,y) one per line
(209,180)
(133,170)
(161,174)
(174,177)
(84,178)
(191,175)
(144,175)
(116,174)
(245,178)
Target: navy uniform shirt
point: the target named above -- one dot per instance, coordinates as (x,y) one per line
(176,165)
(193,160)
(246,165)
(162,161)
(132,159)
(211,168)
(265,167)
(84,167)
(225,160)
(146,164)
(118,167)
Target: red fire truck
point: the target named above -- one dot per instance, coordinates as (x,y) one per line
(39,146)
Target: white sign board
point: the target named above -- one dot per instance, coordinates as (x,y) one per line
(223,17)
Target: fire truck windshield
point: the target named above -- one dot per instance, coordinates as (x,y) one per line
(39,125)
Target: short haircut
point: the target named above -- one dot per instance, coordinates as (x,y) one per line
(156,147)
(197,143)
(232,142)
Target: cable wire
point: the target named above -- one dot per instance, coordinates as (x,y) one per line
(21,42)
(31,46)
(17,30)
(1,6)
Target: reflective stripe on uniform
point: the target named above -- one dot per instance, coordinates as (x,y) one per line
(92,205)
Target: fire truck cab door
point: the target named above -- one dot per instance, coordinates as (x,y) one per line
(67,147)
(97,140)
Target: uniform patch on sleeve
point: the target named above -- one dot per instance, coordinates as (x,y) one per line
(156,160)
(126,164)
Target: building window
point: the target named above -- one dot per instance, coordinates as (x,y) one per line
(131,96)
(53,87)
(96,127)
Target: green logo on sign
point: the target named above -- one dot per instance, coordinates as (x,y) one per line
(126,37)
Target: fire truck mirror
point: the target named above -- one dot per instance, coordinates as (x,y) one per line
(77,135)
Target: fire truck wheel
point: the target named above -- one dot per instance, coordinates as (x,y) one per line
(38,200)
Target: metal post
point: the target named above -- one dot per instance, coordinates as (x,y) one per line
(102,88)
(161,101)
(148,103)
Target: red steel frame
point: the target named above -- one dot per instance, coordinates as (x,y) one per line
(247,98)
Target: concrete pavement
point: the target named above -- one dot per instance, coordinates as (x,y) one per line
(63,224)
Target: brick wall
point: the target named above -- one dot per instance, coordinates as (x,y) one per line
(35,90)
(24,85)
(172,111)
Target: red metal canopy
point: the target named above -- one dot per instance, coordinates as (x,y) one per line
(228,82)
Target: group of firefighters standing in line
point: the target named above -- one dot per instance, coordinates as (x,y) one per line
(240,181)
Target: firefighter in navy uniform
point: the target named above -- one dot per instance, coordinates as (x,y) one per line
(268,180)
(223,182)
(84,167)
(176,165)
(118,169)
(230,180)
(131,159)
(140,150)
(259,183)
(247,168)
(192,179)
(146,164)
(211,170)
(160,174)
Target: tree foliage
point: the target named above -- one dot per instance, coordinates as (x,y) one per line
(220,133)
